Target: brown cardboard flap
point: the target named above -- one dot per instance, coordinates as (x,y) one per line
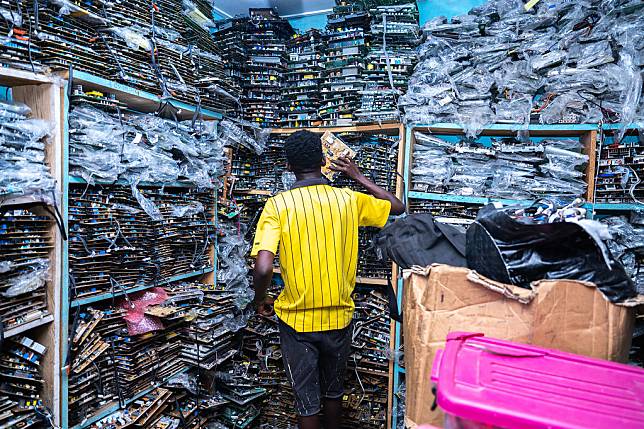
(566,315)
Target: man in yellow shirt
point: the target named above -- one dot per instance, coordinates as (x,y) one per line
(314,227)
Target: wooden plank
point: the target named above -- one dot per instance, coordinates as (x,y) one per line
(589,140)
(46,103)
(13,77)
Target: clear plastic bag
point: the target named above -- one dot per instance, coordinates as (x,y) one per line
(28,281)
(188,210)
(146,204)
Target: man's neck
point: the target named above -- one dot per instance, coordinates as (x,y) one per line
(308,175)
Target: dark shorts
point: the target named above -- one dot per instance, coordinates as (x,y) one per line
(315,364)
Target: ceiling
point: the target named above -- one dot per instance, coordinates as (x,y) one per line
(284,7)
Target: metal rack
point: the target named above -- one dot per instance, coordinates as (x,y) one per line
(143,102)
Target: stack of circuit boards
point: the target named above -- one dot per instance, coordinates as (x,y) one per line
(18,46)
(376,155)
(24,266)
(115,245)
(390,62)
(301,95)
(265,41)
(145,47)
(264,348)
(21,383)
(620,168)
(346,42)
(365,399)
(228,34)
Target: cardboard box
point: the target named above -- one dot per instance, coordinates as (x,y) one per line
(566,315)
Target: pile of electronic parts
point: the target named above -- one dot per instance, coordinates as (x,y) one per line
(395,34)
(21,383)
(620,169)
(507,168)
(346,39)
(27,198)
(165,49)
(558,62)
(301,94)
(264,77)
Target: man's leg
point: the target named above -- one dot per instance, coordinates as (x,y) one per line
(300,355)
(334,353)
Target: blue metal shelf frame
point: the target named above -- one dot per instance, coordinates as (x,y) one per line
(104,296)
(142,98)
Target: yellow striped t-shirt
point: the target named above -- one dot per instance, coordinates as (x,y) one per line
(315,229)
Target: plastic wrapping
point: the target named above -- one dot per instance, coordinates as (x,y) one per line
(515,168)
(191,11)
(137,321)
(233,270)
(234,135)
(519,252)
(23,141)
(191,209)
(559,62)
(145,148)
(28,281)
(132,38)
(146,204)
(627,245)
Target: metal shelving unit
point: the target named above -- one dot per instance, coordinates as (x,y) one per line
(143,102)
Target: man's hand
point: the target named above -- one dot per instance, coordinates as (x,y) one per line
(265,306)
(347,166)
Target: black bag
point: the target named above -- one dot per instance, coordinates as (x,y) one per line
(418,240)
(508,251)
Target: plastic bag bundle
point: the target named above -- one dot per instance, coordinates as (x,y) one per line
(627,245)
(108,147)
(23,141)
(558,62)
(507,168)
(233,270)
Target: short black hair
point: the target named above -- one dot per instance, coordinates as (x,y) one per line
(304,150)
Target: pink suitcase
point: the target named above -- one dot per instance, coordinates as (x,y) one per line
(488,383)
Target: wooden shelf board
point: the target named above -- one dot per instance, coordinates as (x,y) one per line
(14,77)
(17,330)
(352,128)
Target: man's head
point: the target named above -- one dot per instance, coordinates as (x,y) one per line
(304,152)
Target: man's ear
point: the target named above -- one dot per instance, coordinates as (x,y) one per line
(288,167)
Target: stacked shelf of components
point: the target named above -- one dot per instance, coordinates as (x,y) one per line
(395,34)
(32,233)
(265,40)
(301,97)
(346,41)
(141,305)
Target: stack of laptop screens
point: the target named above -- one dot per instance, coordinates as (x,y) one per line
(301,95)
